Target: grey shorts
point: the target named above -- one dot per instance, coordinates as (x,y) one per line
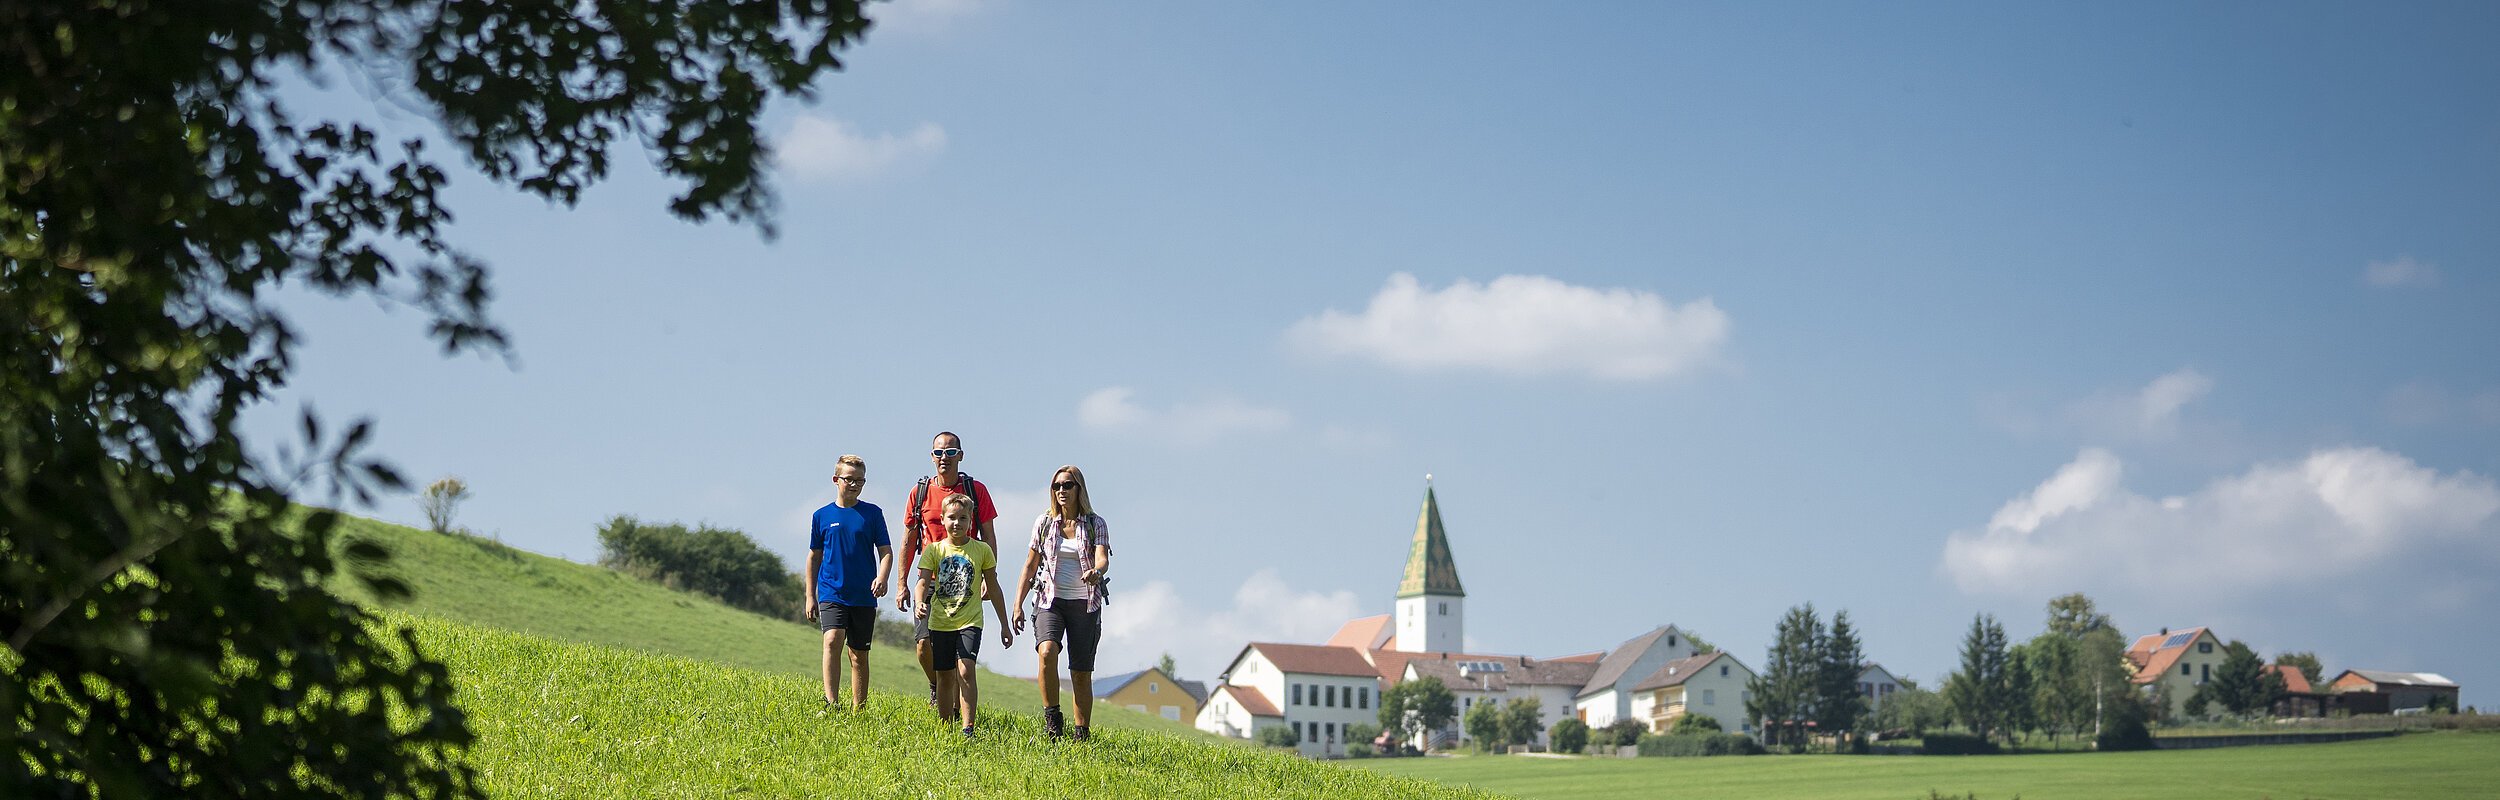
(1080,629)
(948,647)
(857,623)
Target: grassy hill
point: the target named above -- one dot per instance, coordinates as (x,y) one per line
(565,719)
(481,582)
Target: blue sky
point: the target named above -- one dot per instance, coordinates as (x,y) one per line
(1695,312)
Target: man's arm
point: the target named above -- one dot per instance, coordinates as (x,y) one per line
(885,564)
(807,601)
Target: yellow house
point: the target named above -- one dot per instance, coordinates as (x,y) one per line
(1149,691)
(2175,663)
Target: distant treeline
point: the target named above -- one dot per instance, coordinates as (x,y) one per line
(725,564)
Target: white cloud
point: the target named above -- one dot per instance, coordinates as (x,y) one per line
(2337,512)
(2401,272)
(1115,409)
(824,148)
(1521,324)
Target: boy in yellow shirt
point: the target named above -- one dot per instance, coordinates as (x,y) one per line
(955,576)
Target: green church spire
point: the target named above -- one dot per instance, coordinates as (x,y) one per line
(1429,568)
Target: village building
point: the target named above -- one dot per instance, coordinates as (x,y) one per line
(1149,691)
(1703,685)
(2172,664)
(2371,691)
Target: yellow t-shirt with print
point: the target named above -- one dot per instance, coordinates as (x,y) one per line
(955,600)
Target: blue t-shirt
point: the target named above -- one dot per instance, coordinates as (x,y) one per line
(849,538)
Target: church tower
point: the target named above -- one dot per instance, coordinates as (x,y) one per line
(1432,609)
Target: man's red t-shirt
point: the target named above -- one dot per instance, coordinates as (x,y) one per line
(932,514)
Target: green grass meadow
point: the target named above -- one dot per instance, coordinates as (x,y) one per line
(2421,765)
(479,582)
(564,719)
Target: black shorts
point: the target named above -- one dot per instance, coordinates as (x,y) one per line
(948,647)
(857,623)
(1081,630)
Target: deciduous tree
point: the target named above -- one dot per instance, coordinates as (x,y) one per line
(162,599)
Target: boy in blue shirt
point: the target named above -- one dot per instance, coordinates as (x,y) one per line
(843,583)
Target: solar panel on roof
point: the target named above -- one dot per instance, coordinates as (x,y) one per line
(2178,640)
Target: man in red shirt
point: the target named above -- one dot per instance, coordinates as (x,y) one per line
(924,522)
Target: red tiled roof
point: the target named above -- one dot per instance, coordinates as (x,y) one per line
(1314,659)
(1368,633)
(2293,680)
(2153,660)
(1250,699)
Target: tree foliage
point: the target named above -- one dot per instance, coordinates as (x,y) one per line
(1569,735)
(1783,694)
(441,500)
(1483,724)
(725,564)
(1418,707)
(1522,719)
(1981,691)
(166,625)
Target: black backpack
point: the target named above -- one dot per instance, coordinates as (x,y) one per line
(920,494)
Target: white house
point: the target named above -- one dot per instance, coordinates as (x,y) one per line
(1706,684)
(1478,679)
(1608,695)
(1877,685)
(1314,690)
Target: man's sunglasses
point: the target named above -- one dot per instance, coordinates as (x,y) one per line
(947,452)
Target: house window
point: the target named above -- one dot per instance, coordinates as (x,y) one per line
(1297,700)
(1709,697)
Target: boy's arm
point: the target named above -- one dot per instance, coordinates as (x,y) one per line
(920,594)
(807,599)
(1006,634)
(885,564)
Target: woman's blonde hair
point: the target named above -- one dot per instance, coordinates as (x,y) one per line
(1082,504)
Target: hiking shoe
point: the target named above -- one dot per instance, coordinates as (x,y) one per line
(1079,733)
(1053,725)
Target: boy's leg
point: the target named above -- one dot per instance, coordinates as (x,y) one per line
(928,667)
(833,641)
(967,685)
(860,628)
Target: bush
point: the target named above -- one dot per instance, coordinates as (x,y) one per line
(1622,733)
(2126,728)
(1278,736)
(1695,723)
(1939,743)
(1569,735)
(1361,732)
(724,564)
(1682,745)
